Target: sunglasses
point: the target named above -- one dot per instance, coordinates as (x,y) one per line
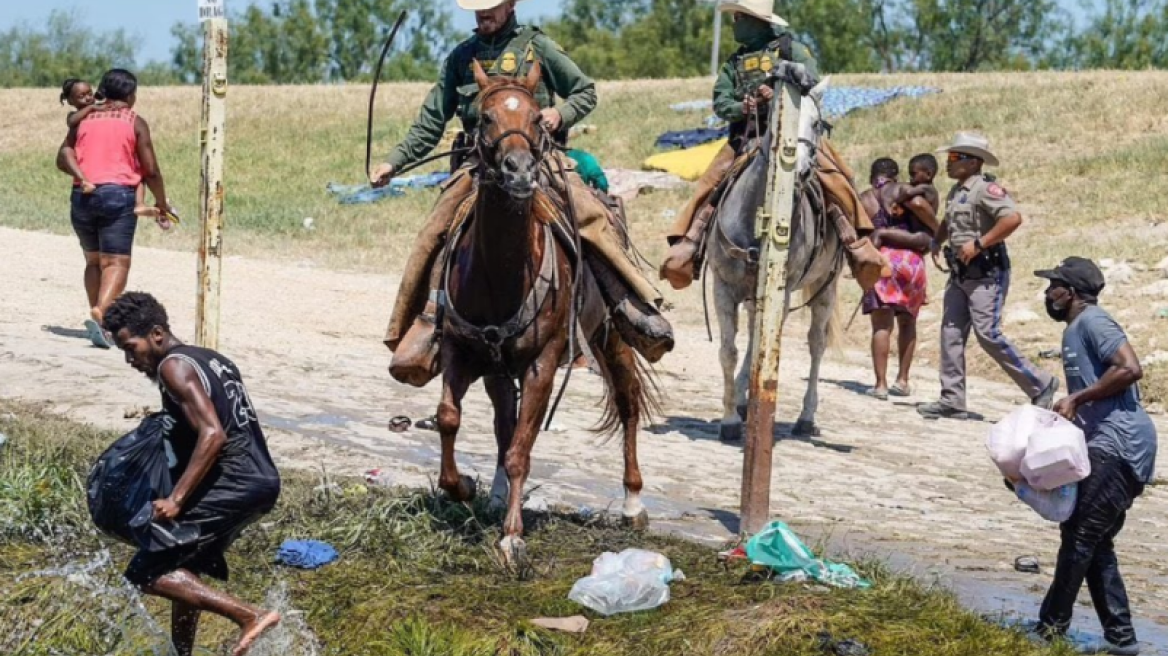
(961,157)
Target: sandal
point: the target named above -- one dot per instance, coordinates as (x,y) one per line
(878,394)
(400,424)
(96,334)
(900,391)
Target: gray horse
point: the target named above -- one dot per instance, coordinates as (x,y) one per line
(814,264)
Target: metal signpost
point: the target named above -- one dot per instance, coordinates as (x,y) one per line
(773,229)
(212,140)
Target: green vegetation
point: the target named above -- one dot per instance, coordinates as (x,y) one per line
(419,576)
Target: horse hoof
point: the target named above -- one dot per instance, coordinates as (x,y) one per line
(742,412)
(804,428)
(514,551)
(465,491)
(730,432)
(638,522)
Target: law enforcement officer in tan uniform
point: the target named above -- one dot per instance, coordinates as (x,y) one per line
(742,96)
(979,217)
(504,47)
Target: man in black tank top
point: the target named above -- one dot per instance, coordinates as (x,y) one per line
(224,476)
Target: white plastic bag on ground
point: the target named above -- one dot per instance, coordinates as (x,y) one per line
(1055,505)
(630,581)
(1056,456)
(1008,439)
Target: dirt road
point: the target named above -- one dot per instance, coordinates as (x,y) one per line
(308,340)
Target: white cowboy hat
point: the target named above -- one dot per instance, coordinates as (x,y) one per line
(480,5)
(760,9)
(971,143)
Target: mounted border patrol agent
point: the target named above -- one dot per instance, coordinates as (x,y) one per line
(979,217)
(741,93)
(503,47)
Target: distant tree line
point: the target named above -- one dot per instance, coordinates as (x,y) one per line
(314,41)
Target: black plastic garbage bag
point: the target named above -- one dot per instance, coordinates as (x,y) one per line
(126,480)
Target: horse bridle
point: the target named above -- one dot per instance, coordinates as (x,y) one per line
(484,147)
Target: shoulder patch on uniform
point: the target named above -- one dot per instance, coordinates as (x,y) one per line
(995,190)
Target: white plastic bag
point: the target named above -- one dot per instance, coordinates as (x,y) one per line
(630,581)
(1055,456)
(1055,505)
(1008,439)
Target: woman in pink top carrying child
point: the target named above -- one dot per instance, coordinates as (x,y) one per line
(109,153)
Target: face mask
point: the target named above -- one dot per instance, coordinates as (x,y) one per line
(1055,312)
(750,30)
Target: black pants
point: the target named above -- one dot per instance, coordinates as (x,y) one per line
(1088,551)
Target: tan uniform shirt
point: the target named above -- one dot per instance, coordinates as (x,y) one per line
(974,207)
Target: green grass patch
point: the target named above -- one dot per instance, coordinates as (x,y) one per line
(420,576)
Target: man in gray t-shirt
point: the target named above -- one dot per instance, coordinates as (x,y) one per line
(1102,373)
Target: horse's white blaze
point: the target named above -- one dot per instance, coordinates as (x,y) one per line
(511,104)
(500,488)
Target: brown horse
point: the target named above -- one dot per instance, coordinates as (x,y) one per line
(509,286)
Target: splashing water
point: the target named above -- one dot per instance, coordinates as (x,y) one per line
(120,613)
(292,637)
(127,628)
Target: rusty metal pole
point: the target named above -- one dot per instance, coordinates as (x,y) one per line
(773,229)
(212,140)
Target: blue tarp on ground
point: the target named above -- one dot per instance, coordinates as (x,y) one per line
(836,102)
(356,194)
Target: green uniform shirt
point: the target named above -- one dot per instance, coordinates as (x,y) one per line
(974,207)
(746,66)
(511,51)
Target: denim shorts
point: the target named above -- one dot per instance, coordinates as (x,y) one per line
(104,220)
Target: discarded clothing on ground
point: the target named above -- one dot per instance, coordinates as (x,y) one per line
(306,554)
(778,548)
(690,138)
(359,194)
(627,184)
(688,164)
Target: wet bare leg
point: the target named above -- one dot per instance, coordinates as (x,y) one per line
(115,270)
(93,282)
(906,337)
(882,323)
(183,587)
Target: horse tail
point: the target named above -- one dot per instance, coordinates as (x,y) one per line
(648,396)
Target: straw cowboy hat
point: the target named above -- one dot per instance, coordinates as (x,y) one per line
(971,143)
(760,9)
(481,5)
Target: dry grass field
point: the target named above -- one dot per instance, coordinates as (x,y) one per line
(1085,154)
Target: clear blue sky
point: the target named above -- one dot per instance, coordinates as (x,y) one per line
(150,20)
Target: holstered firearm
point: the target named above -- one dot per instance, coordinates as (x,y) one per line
(985,265)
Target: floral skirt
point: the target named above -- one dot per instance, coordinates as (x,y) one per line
(906,290)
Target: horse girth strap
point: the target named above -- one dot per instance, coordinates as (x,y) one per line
(493,337)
